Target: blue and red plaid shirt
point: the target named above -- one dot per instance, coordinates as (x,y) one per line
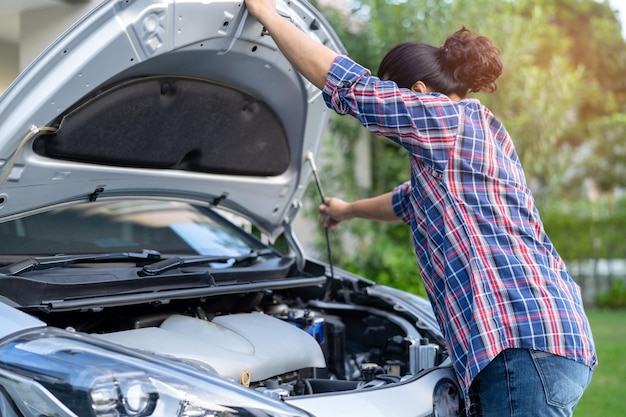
(493,277)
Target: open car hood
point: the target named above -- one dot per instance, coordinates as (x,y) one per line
(185,99)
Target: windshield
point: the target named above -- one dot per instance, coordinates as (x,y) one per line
(172,228)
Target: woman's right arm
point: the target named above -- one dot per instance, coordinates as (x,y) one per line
(379,208)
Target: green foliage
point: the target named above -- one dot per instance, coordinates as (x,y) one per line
(614,298)
(382,259)
(605,162)
(583,230)
(605,395)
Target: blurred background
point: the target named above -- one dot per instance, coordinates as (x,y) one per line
(562,97)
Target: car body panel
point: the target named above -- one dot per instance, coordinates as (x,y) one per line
(15,321)
(411,398)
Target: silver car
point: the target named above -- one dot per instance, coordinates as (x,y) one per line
(152,162)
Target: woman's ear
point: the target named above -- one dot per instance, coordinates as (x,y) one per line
(419,87)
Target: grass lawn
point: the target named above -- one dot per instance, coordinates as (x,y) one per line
(607,391)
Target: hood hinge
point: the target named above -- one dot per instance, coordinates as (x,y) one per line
(96,193)
(217,200)
(288,232)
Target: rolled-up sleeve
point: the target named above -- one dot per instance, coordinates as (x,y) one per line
(425,124)
(401,203)
(343,74)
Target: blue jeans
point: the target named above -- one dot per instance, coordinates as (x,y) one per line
(522,382)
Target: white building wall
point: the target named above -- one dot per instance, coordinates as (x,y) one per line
(9,64)
(39,27)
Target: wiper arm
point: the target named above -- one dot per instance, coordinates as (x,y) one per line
(176,262)
(32,264)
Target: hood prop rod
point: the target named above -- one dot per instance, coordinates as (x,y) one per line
(32,132)
(311,160)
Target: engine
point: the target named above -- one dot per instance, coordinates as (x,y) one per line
(287,352)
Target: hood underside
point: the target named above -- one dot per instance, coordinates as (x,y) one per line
(178,99)
(172,122)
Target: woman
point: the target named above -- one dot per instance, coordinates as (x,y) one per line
(511,314)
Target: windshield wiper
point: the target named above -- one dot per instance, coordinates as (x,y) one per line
(176,262)
(33,264)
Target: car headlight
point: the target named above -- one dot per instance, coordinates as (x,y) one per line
(55,373)
(446,399)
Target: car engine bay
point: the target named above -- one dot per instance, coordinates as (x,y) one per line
(271,341)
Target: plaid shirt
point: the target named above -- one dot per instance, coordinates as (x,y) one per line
(494,278)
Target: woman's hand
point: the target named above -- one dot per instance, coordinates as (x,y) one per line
(260,8)
(334,211)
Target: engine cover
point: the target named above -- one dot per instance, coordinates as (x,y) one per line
(234,344)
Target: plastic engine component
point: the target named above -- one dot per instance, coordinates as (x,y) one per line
(234,344)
